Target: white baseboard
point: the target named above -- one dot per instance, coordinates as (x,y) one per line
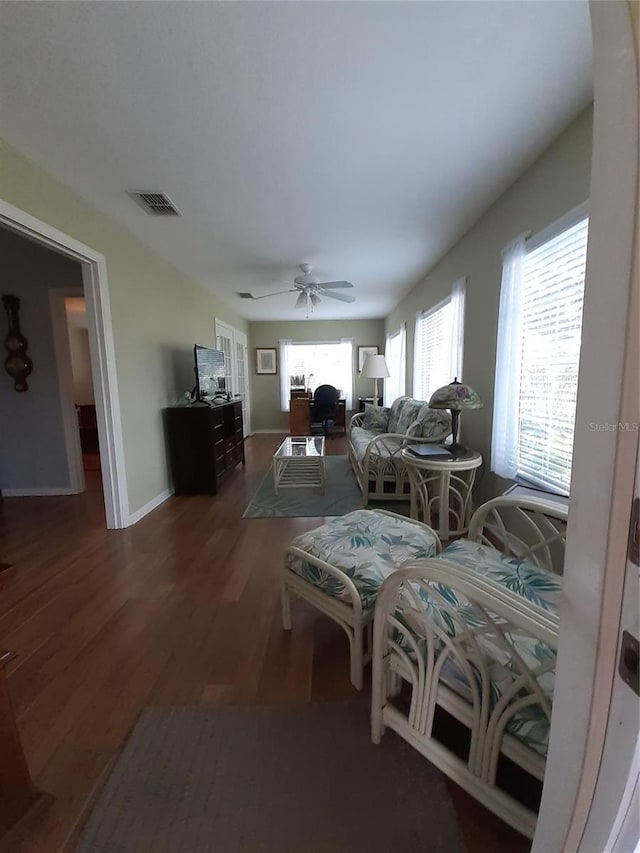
(134,517)
(32,493)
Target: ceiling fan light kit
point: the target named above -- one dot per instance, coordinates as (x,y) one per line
(309,289)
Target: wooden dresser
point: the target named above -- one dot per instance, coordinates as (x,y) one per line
(205,444)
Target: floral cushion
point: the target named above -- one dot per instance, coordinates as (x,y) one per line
(362,438)
(435,424)
(409,413)
(395,412)
(366,545)
(414,429)
(376,418)
(530,725)
(538,585)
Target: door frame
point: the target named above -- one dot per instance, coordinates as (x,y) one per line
(101,347)
(603,461)
(64,368)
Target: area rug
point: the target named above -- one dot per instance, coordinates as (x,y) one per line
(252,779)
(341,495)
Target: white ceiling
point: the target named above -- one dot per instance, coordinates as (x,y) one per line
(363,138)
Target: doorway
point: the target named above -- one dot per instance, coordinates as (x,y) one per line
(94,282)
(77,395)
(83,394)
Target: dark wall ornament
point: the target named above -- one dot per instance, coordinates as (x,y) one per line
(17,364)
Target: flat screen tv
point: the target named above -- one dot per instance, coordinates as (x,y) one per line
(209,370)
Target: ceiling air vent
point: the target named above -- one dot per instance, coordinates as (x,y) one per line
(155,203)
(245,295)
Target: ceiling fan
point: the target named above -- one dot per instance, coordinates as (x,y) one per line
(309,289)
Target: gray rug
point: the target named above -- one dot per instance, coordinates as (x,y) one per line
(253,779)
(341,495)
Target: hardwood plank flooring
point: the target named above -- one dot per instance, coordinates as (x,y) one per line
(182,608)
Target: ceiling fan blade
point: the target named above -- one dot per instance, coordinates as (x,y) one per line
(332,284)
(341,296)
(277,293)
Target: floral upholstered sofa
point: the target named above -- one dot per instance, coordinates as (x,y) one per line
(377,436)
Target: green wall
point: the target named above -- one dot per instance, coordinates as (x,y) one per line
(556,183)
(265,390)
(158,314)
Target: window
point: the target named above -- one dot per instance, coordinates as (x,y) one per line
(395,355)
(320,363)
(539,336)
(437,354)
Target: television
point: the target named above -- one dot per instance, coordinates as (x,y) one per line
(209,370)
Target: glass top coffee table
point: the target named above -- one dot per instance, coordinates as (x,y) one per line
(299,463)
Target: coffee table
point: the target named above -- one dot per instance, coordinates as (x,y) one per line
(299,463)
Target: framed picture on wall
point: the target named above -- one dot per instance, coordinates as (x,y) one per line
(266,361)
(363,354)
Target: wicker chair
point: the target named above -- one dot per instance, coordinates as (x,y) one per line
(474,632)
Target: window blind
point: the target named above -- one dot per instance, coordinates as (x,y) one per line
(438,344)
(551,303)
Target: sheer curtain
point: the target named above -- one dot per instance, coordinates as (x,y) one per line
(506,394)
(395,353)
(284,348)
(457,334)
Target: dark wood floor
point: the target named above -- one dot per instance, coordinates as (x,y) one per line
(180,609)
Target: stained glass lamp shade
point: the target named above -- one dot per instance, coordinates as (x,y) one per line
(455,396)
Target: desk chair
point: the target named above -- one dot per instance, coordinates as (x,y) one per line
(324,408)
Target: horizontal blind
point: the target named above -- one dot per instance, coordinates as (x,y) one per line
(552,300)
(434,351)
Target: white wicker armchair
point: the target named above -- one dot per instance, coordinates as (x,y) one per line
(474,633)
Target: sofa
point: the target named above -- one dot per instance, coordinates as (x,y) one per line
(377,436)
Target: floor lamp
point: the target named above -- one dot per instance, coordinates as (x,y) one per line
(375,367)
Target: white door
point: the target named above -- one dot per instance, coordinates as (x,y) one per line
(224,342)
(613,822)
(590,773)
(242,377)
(233,344)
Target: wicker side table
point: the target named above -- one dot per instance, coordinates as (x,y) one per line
(443,487)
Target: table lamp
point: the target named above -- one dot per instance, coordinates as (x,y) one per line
(455,396)
(375,367)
